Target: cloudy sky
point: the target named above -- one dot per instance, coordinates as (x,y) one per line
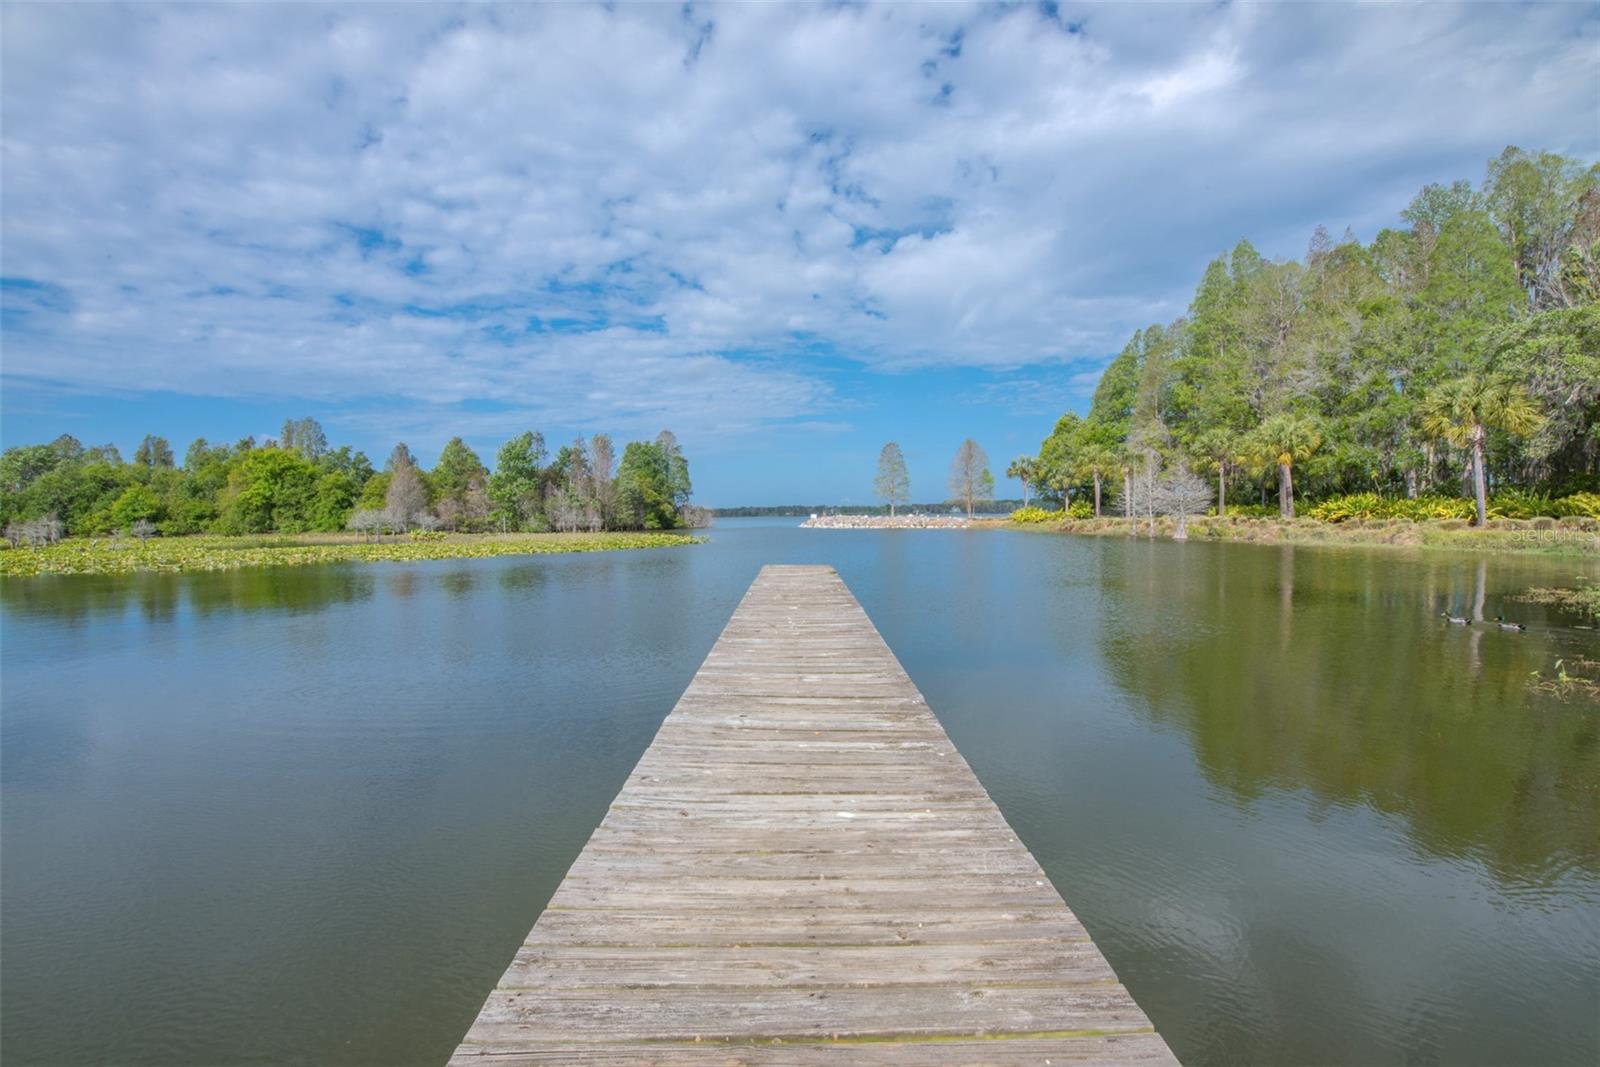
(787,233)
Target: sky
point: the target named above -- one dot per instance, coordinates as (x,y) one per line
(787,233)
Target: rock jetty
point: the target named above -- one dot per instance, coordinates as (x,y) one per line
(885,522)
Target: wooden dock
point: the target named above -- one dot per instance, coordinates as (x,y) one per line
(802,869)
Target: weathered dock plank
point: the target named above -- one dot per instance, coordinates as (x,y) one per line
(803,870)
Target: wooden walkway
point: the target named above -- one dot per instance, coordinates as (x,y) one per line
(803,870)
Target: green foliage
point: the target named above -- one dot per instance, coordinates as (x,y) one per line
(460,486)
(892,483)
(332,500)
(1470,337)
(1035,514)
(269,489)
(211,553)
(1252,511)
(94,493)
(137,503)
(1578,505)
(645,487)
(1373,506)
(677,470)
(1283,440)
(514,495)
(375,492)
(153,452)
(1520,504)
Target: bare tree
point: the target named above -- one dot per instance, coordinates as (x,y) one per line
(46,530)
(144,529)
(970,480)
(1180,493)
(475,505)
(368,522)
(407,498)
(563,508)
(602,463)
(1138,495)
(304,436)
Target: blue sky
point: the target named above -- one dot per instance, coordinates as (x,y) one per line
(788,233)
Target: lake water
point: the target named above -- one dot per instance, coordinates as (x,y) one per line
(306,815)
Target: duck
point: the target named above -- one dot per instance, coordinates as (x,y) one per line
(1500,621)
(1454,620)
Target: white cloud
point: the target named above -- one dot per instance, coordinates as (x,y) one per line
(342,203)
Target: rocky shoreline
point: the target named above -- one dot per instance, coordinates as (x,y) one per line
(886,522)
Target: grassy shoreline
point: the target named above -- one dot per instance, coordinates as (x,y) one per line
(1561,537)
(214,553)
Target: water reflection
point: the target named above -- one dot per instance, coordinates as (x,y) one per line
(1366,698)
(458,583)
(162,597)
(523,577)
(1306,821)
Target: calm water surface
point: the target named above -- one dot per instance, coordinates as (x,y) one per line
(306,815)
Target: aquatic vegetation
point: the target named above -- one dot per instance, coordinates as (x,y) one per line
(212,553)
(1584,597)
(1566,684)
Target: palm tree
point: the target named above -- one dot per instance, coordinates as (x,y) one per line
(1465,409)
(1283,441)
(1093,462)
(1220,447)
(1025,470)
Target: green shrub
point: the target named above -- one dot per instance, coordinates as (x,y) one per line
(1578,505)
(1519,504)
(1080,509)
(1035,514)
(1425,508)
(1349,506)
(1249,511)
(428,535)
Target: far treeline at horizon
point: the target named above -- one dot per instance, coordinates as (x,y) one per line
(298,484)
(1459,357)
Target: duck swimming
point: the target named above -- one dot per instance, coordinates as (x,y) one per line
(1454,620)
(1500,621)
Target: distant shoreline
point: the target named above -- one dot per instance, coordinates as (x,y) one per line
(992,509)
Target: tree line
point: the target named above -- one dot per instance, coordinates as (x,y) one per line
(297,483)
(1455,355)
